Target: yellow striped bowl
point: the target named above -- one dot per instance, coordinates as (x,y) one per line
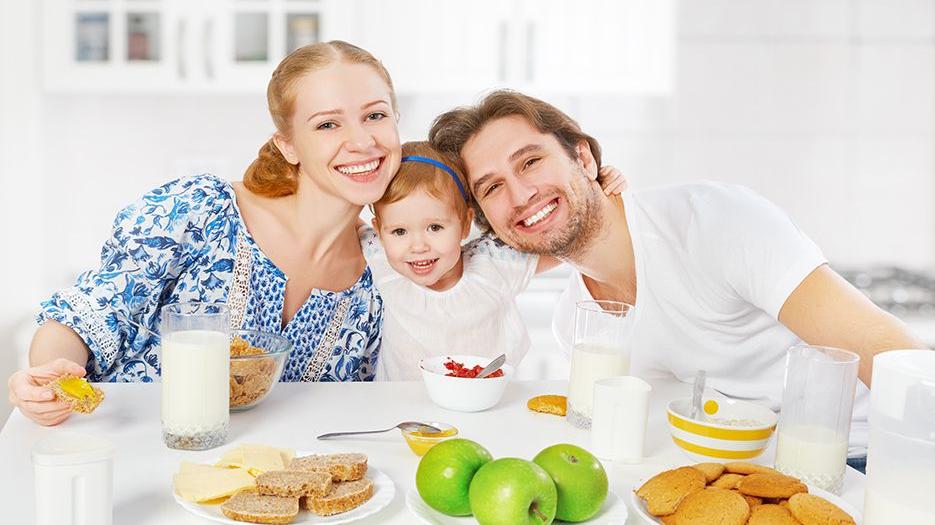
(732,431)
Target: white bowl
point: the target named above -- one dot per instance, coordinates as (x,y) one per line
(462,393)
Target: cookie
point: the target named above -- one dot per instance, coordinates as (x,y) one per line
(745,468)
(753,501)
(770,486)
(812,510)
(548,404)
(711,471)
(712,506)
(727,481)
(771,515)
(664,491)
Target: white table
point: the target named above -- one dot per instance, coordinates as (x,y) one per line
(295,413)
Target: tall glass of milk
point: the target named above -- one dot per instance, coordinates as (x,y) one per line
(815,421)
(901,456)
(195,375)
(599,351)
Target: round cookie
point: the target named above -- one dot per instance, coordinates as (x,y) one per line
(771,515)
(745,468)
(812,510)
(664,491)
(753,501)
(711,471)
(727,481)
(770,486)
(713,506)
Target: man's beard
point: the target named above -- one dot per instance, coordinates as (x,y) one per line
(574,237)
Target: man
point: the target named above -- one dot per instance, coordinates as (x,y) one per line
(721,279)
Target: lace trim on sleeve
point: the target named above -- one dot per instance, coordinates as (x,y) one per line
(96,327)
(240,285)
(315,367)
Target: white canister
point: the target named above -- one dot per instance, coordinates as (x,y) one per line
(74,479)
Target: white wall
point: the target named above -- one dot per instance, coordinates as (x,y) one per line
(827,107)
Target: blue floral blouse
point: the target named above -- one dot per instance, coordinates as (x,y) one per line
(186,241)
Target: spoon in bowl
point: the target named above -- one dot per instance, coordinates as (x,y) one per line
(493,366)
(408,426)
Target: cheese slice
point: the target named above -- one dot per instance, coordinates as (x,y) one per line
(204,484)
(257,458)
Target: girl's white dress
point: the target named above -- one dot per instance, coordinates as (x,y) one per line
(477,316)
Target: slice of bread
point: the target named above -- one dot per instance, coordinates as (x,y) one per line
(343,467)
(342,497)
(251,507)
(294,483)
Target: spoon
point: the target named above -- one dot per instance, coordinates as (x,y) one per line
(493,366)
(697,393)
(409,426)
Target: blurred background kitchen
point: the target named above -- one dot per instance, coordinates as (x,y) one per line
(826,107)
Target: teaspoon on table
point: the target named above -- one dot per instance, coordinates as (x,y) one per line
(409,426)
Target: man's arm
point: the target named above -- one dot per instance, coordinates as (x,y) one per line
(826,310)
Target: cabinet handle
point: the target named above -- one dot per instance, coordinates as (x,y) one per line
(207,46)
(530,51)
(180,49)
(502,47)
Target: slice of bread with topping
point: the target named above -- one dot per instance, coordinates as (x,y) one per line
(343,467)
(251,507)
(342,497)
(294,483)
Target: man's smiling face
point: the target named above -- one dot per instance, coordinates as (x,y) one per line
(534,195)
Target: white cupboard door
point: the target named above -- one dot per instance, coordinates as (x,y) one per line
(437,47)
(113,45)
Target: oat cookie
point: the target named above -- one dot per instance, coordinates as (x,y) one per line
(771,515)
(727,481)
(812,510)
(712,506)
(664,491)
(770,486)
(753,501)
(745,468)
(548,404)
(711,471)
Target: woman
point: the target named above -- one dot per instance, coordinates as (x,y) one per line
(280,247)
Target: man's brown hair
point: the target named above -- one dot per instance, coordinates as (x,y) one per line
(451,130)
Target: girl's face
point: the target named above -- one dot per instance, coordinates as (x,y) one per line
(344,135)
(422,236)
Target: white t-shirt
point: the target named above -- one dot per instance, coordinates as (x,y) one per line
(714,265)
(477,316)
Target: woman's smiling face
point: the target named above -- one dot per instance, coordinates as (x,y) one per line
(344,133)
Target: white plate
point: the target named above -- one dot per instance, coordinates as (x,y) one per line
(640,505)
(613,512)
(383,492)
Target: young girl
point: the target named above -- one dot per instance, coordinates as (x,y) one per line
(441,297)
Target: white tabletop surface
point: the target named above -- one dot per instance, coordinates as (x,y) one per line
(296,412)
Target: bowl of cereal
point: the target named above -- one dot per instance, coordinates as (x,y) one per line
(728,430)
(451,383)
(257,360)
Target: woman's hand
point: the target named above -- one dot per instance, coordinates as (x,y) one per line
(611,180)
(35,400)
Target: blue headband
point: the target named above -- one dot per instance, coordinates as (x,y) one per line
(439,165)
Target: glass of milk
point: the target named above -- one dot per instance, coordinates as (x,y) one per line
(599,351)
(195,375)
(815,421)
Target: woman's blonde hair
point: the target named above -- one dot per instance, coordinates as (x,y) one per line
(414,176)
(270,174)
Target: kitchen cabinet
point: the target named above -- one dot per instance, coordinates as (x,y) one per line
(175,45)
(542,47)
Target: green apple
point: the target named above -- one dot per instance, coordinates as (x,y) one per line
(513,491)
(579,478)
(445,473)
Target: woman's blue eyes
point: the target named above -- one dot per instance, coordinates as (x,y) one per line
(379,115)
(326,125)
